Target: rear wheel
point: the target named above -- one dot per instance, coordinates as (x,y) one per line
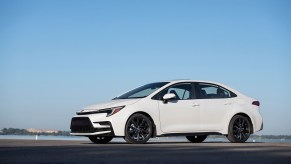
(196,139)
(138,129)
(239,129)
(100,140)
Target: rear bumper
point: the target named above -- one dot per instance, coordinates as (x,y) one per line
(83,126)
(262,126)
(257,123)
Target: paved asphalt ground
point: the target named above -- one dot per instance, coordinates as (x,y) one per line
(48,151)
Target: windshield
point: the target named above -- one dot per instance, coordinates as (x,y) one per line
(142,91)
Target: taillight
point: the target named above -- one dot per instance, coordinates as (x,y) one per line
(257,103)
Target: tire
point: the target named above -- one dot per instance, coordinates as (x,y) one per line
(138,129)
(100,140)
(239,129)
(196,139)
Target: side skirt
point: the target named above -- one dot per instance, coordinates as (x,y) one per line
(188,134)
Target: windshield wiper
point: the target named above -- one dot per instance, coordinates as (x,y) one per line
(136,97)
(117,98)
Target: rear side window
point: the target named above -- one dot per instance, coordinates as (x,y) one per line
(212,91)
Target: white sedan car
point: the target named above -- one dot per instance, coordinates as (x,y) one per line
(190,108)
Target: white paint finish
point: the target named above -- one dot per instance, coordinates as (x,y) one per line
(109,104)
(213,114)
(179,116)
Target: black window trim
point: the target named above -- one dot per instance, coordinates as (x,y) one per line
(198,96)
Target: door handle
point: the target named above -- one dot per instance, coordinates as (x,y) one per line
(195,104)
(227,103)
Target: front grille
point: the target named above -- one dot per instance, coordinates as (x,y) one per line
(81,125)
(84,125)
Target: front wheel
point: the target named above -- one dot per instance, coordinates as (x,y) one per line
(239,129)
(196,139)
(100,140)
(138,129)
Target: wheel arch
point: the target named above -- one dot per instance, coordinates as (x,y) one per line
(245,115)
(154,132)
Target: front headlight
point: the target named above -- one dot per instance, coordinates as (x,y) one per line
(115,110)
(109,111)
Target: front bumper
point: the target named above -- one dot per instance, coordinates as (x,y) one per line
(82,126)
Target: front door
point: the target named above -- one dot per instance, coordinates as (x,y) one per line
(180,115)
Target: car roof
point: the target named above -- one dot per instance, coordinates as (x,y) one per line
(188,80)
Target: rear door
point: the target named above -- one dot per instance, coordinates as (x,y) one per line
(215,104)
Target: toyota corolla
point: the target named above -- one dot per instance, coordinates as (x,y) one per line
(190,108)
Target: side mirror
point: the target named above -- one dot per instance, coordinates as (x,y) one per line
(168,97)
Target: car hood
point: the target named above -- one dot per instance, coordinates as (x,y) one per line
(109,104)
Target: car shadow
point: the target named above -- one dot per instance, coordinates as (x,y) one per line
(167,143)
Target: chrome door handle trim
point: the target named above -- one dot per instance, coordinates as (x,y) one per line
(194,105)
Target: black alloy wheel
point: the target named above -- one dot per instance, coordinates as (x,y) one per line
(196,139)
(100,139)
(239,129)
(138,129)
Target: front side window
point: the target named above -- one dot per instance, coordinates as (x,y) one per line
(211,91)
(183,91)
(142,91)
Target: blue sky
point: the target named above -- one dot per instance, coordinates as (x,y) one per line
(59,56)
